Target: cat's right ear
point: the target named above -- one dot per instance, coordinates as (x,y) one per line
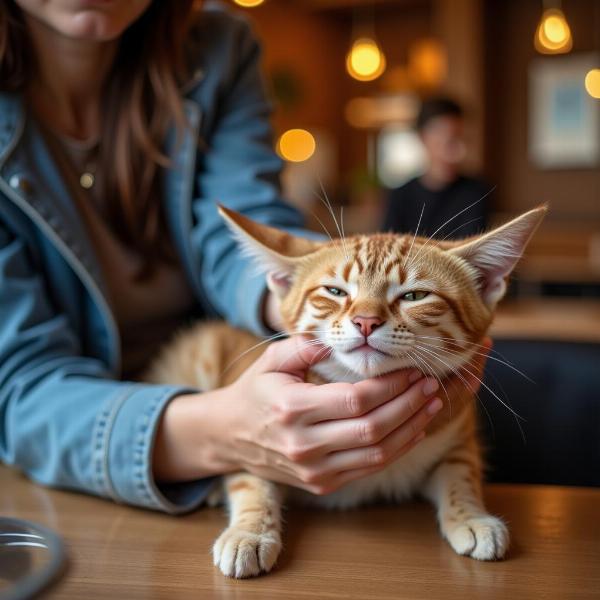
(495,254)
(276,252)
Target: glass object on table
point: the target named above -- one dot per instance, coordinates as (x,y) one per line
(31,557)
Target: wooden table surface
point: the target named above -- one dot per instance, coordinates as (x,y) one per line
(119,552)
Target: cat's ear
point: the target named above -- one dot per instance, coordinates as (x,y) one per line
(276,252)
(495,254)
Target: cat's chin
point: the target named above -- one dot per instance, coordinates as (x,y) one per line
(352,367)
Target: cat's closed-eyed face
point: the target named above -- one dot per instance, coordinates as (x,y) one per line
(381,305)
(383,302)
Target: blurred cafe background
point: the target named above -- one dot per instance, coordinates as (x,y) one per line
(348,78)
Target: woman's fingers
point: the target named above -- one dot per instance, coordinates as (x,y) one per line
(346,400)
(385,450)
(294,356)
(339,468)
(358,467)
(345,477)
(374,426)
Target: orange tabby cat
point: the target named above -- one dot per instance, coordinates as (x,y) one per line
(381,302)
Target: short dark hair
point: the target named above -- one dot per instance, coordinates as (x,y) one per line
(437,107)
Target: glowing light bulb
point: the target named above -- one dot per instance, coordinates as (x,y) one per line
(296,145)
(553,34)
(556,30)
(365,61)
(592,83)
(249,3)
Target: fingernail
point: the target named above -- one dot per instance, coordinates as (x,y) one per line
(434,406)
(414,375)
(431,385)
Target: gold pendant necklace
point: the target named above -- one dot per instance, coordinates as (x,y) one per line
(87,180)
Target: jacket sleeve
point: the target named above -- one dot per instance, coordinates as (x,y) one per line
(239,169)
(62,420)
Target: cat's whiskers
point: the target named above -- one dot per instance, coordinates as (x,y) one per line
(460,212)
(469,345)
(451,369)
(458,342)
(418,264)
(341,246)
(342,222)
(271,338)
(314,214)
(326,202)
(458,227)
(458,374)
(488,355)
(482,383)
(414,237)
(436,375)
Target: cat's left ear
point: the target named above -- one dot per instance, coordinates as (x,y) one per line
(276,252)
(495,254)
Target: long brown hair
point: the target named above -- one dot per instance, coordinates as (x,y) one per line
(141,100)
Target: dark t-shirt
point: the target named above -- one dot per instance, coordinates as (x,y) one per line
(405,204)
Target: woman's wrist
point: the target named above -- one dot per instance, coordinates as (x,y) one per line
(192,438)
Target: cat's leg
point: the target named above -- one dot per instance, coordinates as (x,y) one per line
(454,487)
(252,541)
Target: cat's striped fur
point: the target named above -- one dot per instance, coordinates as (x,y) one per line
(437,331)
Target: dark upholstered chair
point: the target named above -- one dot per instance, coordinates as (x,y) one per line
(561,412)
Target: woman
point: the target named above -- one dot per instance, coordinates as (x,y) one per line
(121,125)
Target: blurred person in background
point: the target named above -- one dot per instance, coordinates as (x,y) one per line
(442,191)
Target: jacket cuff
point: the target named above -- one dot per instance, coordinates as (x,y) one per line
(123,444)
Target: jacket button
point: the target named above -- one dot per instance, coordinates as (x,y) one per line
(20,183)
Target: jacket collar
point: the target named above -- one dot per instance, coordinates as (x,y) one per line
(25,158)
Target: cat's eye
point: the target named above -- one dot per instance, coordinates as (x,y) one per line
(334,291)
(413,296)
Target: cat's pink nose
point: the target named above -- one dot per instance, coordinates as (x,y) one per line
(366,325)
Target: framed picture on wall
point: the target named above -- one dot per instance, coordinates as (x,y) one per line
(564,120)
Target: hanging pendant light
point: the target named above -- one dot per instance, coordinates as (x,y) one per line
(553,34)
(249,3)
(365,60)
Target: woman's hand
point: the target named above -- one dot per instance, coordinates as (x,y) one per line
(273,424)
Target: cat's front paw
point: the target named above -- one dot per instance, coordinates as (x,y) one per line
(240,553)
(483,538)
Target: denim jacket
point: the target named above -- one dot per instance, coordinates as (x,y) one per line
(65,418)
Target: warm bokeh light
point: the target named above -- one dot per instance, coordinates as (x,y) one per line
(249,3)
(556,29)
(592,83)
(427,63)
(377,112)
(553,34)
(296,145)
(365,61)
